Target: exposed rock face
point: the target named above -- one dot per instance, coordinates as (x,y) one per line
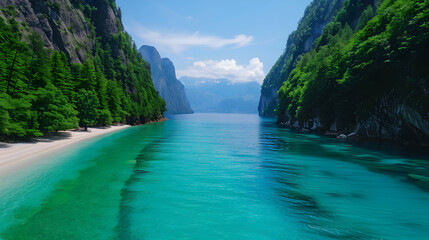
(105,17)
(400,123)
(165,81)
(61,29)
(299,42)
(64,27)
(396,109)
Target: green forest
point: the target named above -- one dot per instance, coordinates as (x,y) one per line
(370,62)
(316,14)
(42,91)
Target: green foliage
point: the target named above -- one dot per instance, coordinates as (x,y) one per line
(4,114)
(353,74)
(54,113)
(60,74)
(101,87)
(114,101)
(87,76)
(18,118)
(40,90)
(318,13)
(87,105)
(55,6)
(104,117)
(367,15)
(39,63)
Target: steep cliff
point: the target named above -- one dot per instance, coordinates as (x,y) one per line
(70,62)
(316,16)
(367,75)
(165,81)
(61,26)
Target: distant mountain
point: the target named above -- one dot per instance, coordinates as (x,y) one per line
(165,81)
(222,96)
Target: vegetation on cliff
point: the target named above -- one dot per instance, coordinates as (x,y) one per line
(42,91)
(316,16)
(367,72)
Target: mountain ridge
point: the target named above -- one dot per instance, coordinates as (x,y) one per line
(165,81)
(221,95)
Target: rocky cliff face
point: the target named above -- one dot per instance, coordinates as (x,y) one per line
(61,29)
(352,86)
(165,81)
(90,34)
(316,16)
(69,26)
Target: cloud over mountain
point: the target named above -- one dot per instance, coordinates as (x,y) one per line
(227,68)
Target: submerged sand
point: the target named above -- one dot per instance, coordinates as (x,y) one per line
(18,153)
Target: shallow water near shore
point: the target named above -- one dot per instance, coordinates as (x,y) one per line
(216,176)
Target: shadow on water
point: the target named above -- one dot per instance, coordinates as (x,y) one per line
(123,228)
(260,178)
(407,164)
(86,206)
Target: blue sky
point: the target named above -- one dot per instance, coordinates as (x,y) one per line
(236,39)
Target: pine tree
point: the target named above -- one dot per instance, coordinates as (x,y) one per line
(87,76)
(4,114)
(87,105)
(39,68)
(54,113)
(60,74)
(114,101)
(101,88)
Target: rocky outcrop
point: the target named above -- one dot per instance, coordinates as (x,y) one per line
(401,123)
(374,94)
(316,17)
(61,26)
(105,16)
(165,81)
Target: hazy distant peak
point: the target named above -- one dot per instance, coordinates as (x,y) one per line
(164,78)
(150,54)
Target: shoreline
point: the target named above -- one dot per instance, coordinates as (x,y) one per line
(18,153)
(421,147)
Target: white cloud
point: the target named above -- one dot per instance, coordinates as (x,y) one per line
(177,42)
(228,68)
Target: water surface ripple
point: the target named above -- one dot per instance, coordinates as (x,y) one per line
(216,176)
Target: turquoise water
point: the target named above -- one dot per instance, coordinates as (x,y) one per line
(216,176)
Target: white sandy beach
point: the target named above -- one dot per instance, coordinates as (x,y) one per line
(15,153)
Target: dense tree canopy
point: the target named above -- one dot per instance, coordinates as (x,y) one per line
(366,63)
(300,41)
(41,91)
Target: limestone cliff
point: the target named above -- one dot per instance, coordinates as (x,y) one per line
(366,76)
(316,16)
(165,81)
(86,45)
(61,25)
